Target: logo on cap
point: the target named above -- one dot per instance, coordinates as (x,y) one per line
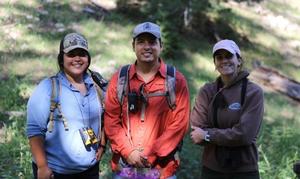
(147,26)
(74,40)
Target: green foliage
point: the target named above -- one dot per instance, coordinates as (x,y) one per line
(190,157)
(279,140)
(10,92)
(15,154)
(174,18)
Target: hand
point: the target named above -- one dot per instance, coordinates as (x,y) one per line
(134,159)
(197,135)
(100,153)
(45,173)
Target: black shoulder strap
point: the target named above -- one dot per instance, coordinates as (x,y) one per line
(170,70)
(215,103)
(215,114)
(244,89)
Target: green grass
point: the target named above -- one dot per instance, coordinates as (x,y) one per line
(28,54)
(278,142)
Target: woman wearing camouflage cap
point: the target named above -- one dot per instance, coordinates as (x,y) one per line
(64,117)
(226,118)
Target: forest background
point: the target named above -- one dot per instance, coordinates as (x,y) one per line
(268,32)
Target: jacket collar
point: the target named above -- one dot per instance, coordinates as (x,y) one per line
(241,75)
(87,80)
(161,70)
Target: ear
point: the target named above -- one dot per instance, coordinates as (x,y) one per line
(239,62)
(161,44)
(161,47)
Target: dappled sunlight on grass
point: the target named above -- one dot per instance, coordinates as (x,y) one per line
(291,9)
(39,44)
(274,33)
(104,41)
(203,70)
(266,39)
(281,109)
(36,69)
(203,63)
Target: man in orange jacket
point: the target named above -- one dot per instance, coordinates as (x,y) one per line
(143,129)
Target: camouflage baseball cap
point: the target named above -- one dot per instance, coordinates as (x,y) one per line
(72,41)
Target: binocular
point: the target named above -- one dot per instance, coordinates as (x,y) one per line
(135,100)
(88,136)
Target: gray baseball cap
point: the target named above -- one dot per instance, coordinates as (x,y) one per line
(74,40)
(147,27)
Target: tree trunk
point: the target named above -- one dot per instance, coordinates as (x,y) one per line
(272,78)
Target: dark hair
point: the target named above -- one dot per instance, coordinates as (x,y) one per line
(242,62)
(60,57)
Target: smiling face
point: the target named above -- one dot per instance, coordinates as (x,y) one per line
(226,63)
(75,63)
(147,48)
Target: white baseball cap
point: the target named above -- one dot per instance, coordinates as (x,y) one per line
(228,45)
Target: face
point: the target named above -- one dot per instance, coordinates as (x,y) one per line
(147,48)
(226,63)
(75,63)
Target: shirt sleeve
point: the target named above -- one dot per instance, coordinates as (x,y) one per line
(113,126)
(177,124)
(199,115)
(38,109)
(244,132)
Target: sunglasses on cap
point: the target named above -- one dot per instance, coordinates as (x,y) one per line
(77,52)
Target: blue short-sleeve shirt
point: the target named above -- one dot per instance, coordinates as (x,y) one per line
(65,150)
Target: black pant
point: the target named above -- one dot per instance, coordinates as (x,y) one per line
(211,174)
(91,173)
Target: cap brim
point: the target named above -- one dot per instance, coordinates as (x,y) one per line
(155,34)
(224,48)
(67,50)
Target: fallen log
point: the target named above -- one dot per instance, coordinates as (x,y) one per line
(272,78)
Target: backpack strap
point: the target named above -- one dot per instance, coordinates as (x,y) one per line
(122,83)
(100,94)
(170,85)
(244,89)
(55,104)
(101,135)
